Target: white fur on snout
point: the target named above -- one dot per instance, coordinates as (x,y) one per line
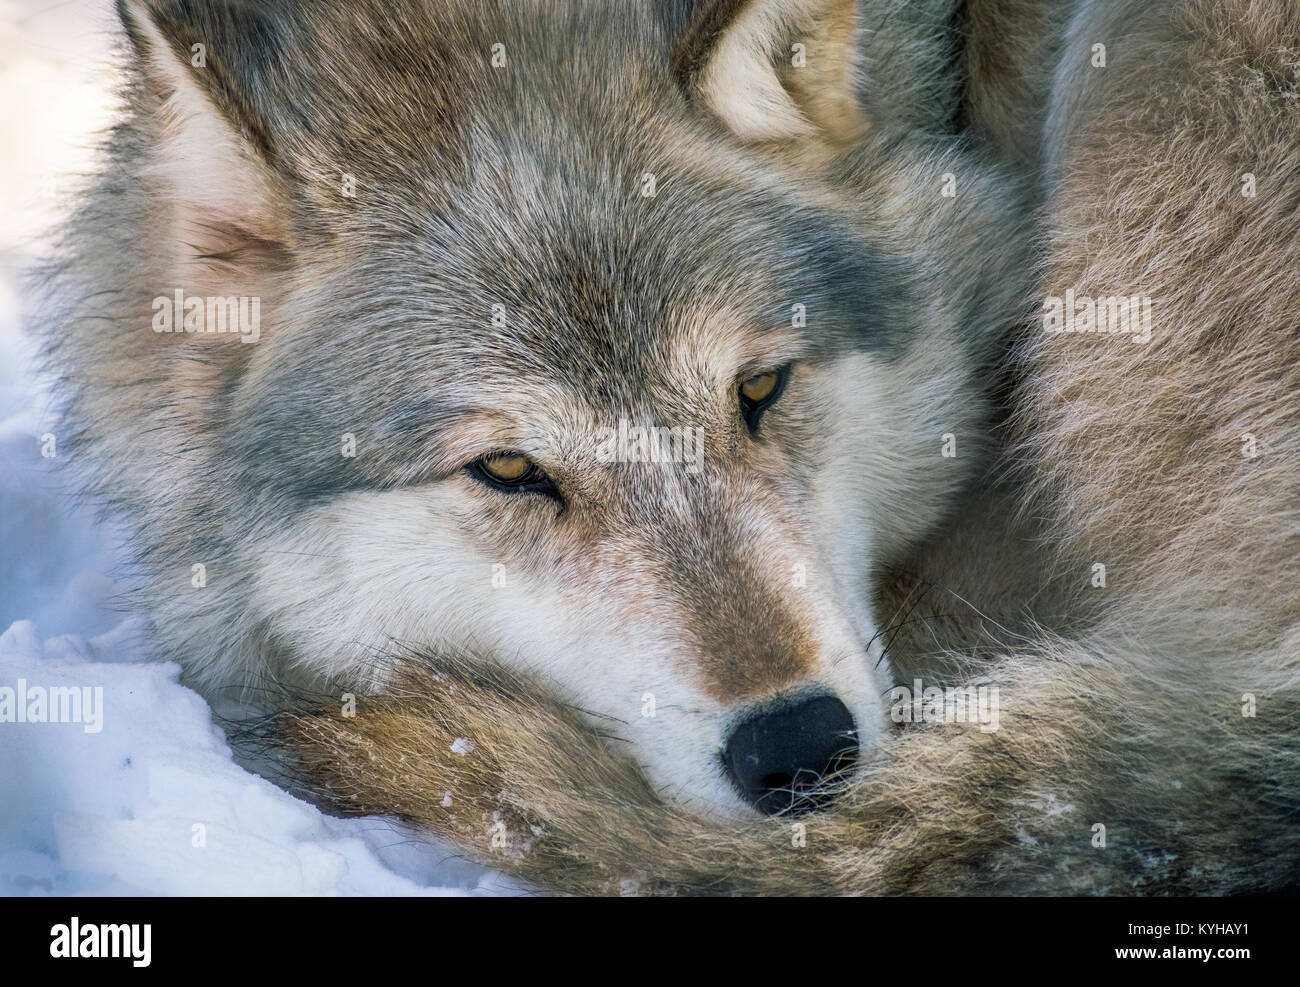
(338,585)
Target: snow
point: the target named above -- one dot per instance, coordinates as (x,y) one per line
(153,803)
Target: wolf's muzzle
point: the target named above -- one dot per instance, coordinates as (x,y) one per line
(784,760)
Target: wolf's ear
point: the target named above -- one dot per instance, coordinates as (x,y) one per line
(204,64)
(775,69)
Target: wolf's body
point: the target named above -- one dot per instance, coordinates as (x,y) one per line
(1123,698)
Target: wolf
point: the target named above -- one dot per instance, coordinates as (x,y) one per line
(477,253)
(485,236)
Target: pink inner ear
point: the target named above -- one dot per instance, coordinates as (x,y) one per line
(204,165)
(220,210)
(222,189)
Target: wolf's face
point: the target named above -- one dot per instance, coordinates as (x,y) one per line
(659,477)
(557,365)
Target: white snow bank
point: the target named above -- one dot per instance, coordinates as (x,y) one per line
(152,803)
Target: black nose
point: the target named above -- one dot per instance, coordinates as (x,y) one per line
(780,758)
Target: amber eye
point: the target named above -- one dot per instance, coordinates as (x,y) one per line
(759,387)
(513,473)
(758,392)
(509,468)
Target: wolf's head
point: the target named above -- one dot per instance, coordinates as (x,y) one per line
(620,343)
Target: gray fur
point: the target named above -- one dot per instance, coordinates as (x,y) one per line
(519,186)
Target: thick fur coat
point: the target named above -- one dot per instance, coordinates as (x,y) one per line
(1148,738)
